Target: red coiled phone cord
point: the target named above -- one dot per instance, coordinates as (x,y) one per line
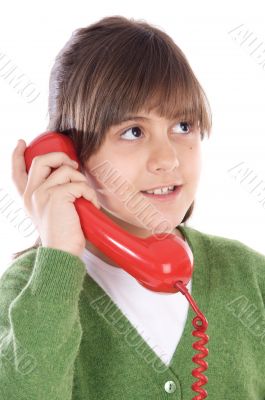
(199,345)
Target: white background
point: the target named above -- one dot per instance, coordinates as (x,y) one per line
(31,35)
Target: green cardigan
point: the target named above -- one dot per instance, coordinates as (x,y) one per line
(62,337)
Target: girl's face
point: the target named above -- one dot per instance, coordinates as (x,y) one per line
(141,154)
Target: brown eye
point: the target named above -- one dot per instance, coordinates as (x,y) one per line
(135,132)
(184,126)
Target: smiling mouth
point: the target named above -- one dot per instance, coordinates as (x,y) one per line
(161,194)
(172,194)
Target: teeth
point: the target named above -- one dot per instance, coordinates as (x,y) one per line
(164,190)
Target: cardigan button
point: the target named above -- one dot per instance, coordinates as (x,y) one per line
(170,387)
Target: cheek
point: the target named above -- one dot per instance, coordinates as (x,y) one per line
(117,179)
(190,167)
(195,157)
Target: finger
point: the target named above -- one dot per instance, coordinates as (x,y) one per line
(62,175)
(74,190)
(65,175)
(41,168)
(18,167)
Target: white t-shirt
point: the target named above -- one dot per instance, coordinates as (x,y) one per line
(159,318)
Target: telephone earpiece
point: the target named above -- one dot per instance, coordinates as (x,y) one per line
(156,263)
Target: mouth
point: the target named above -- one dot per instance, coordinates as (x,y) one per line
(167,196)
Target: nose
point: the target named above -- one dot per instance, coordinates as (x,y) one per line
(163,157)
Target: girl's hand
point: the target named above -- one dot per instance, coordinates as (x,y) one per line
(48,197)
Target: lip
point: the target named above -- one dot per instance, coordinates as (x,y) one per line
(165,186)
(164,197)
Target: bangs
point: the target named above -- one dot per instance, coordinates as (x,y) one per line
(123,74)
(148,74)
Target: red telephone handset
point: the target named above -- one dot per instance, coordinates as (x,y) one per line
(156,263)
(160,263)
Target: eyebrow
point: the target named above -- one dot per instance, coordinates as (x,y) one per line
(129,117)
(140,117)
(132,117)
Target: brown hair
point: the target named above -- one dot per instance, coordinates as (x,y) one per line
(116,67)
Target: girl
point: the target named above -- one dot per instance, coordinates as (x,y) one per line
(74,325)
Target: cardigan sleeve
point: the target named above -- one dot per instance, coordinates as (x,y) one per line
(40,329)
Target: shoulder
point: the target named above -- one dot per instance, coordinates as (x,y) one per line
(234,269)
(219,243)
(229,258)
(226,251)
